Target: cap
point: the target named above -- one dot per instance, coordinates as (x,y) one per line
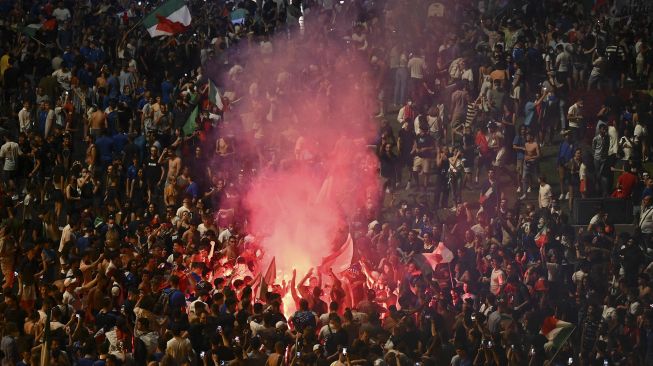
(316,347)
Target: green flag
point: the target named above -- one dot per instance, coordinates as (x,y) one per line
(30,29)
(191,123)
(214,95)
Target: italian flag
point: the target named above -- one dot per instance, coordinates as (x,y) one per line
(214,95)
(170,18)
(556,331)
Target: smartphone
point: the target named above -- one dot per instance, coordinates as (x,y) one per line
(78,316)
(219,329)
(473,317)
(570,361)
(299,354)
(605,362)
(344,351)
(489,344)
(532,351)
(202,354)
(237,339)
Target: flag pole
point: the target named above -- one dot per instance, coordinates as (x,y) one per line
(559,348)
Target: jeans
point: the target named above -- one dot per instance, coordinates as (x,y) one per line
(563,114)
(401,83)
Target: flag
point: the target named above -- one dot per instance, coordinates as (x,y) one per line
(556,331)
(269,278)
(31,29)
(339,261)
(45,349)
(191,123)
(214,95)
(441,254)
(170,18)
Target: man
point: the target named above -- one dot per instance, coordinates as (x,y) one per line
(518,147)
(626,182)
(497,277)
(45,119)
(10,151)
(491,194)
(25,117)
(545,194)
(424,152)
(9,346)
(417,67)
(565,154)
(600,147)
(97,122)
(575,119)
(646,220)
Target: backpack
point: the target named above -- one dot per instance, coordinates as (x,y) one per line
(163,302)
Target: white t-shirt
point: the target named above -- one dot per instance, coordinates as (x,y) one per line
(497,279)
(61,14)
(63,78)
(545,195)
(10,152)
(614,141)
(416,65)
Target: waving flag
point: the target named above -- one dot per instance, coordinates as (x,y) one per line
(168,19)
(556,331)
(339,261)
(214,95)
(441,254)
(268,279)
(191,123)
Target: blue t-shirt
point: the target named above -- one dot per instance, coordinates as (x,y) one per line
(519,141)
(105,148)
(119,142)
(166,91)
(529,113)
(177,299)
(193,190)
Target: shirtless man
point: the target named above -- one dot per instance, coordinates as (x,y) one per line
(174,164)
(97,121)
(531,156)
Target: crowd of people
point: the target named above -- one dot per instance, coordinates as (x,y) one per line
(124,236)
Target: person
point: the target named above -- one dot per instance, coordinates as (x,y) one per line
(625,183)
(575,119)
(424,152)
(531,157)
(545,195)
(565,155)
(10,151)
(600,145)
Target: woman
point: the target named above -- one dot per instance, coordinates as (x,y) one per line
(138,193)
(456,174)
(111,186)
(388,161)
(57,195)
(72,197)
(573,167)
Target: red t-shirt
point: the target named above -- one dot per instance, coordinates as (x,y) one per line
(627,181)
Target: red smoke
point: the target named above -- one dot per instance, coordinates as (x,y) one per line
(306,107)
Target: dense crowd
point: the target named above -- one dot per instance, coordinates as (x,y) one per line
(124,237)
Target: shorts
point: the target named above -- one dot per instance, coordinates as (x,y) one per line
(9,175)
(422,165)
(28,293)
(57,196)
(516,92)
(519,166)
